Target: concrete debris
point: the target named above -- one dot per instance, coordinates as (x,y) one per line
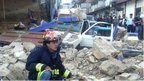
(118,44)
(91,59)
(12,61)
(133,77)
(85,64)
(128,76)
(121,33)
(28,46)
(123,76)
(141,64)
(4,71)
(140,71)
(82,53)
(23,57)
(102,48)
(112,67)
(131,40)
(70,53)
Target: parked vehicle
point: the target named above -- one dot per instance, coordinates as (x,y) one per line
(86,36)
(92,22)
(74,32)
(98,30)
(79,33)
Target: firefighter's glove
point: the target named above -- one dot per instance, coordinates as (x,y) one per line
(55,72)
(67,74)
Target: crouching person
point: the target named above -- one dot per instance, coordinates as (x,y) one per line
(44,62)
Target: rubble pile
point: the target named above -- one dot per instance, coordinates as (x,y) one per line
(84,66)
(13,59)
(97,64)
(94,64)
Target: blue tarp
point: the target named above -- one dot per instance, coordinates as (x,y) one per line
(43,26)
(67,19)
(46,25)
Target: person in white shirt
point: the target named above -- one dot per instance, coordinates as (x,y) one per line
(130,24)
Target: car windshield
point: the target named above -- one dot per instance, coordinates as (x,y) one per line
(100,29)
(73,26)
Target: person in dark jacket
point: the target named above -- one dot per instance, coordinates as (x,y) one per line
(140,29)
(44,62)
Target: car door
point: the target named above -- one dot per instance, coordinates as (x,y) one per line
(87,38)
(98,30)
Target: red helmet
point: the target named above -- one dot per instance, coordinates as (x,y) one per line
(50,35)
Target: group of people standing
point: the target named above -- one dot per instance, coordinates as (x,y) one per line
(132,24)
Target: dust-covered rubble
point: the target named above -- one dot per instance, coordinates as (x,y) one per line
(13,59)
(85,64)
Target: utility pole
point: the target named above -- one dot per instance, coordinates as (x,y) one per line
(4,10)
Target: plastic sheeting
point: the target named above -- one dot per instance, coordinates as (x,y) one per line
(43,26)
(68,19)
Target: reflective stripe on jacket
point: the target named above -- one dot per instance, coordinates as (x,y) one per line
(39,58)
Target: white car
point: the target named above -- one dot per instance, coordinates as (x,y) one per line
(73,37)
(97,30)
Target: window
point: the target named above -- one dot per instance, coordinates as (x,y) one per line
(100,29)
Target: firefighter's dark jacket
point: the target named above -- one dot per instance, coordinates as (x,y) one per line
(42,55)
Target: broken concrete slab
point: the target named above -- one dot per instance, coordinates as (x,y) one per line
(133,77)
(15,74)
(70,53)
(112,67)
(23,57)
(17,71)
(18,54)
(140,71)
(71,66)
(20,64)
(131,40)
(4,71)
(91,59)
(9,77)
(117,44)
(102,48)
(28,46)
(11,60)
(121,33)
(141,64)
(123,76)
(17,46)
(82,53)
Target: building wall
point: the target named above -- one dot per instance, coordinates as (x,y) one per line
(120,13)
(130,8)
(140,3)
(17,9)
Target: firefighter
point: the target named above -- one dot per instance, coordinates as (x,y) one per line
(44,62)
